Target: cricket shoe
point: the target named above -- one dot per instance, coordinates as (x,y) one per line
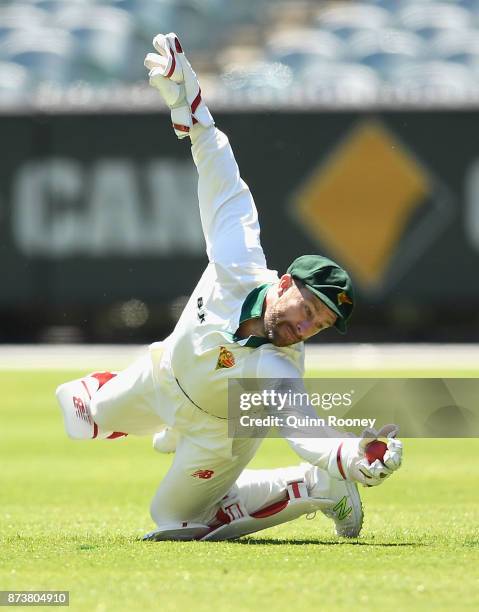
(345,509)
(74,398)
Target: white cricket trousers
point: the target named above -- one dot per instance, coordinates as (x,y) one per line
(207,463)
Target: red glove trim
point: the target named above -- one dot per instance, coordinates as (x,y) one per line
(173,64)
(196,102)
(178,45)
(181,128)
(339,462)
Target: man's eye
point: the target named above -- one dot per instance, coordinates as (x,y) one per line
(308,311)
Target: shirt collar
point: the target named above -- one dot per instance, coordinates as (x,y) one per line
(253,309)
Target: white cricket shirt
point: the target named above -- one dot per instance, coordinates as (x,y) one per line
(202,351)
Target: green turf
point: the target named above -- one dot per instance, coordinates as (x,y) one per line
(71,514)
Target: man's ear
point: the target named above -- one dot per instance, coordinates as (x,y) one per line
(285,283)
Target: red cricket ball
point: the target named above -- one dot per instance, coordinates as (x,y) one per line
(375,450)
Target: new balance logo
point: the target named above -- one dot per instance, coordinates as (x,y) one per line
(342,509)
(203,474)
(81,410)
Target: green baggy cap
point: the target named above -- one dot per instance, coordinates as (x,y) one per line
(329,282)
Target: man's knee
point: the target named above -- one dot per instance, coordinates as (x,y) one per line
(184,531)
(158,512)
(178,507)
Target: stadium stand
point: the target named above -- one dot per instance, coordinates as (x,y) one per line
(257,48)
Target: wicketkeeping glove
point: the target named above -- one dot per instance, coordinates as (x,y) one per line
(171,73)
(352,462)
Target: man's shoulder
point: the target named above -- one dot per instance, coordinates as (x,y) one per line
(243,278)
(280,362)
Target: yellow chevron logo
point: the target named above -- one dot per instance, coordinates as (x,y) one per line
(358,203)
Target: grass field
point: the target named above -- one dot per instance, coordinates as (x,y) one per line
(71,515)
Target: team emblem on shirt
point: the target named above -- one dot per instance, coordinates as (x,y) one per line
(226,359)
(343,298)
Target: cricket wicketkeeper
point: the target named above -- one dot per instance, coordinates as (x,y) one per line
(242,321)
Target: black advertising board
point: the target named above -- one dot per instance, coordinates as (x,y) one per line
(96,209)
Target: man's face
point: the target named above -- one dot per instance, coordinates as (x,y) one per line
(296,314)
